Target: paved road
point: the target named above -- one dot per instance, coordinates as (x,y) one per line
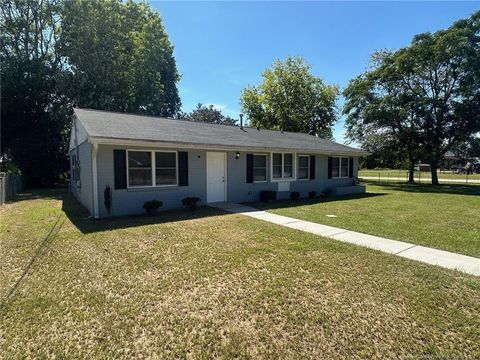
(422,180)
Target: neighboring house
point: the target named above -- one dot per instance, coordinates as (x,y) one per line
(144,158)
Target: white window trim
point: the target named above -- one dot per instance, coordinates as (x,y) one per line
(266,167)
(153,169)
(294,166)
(308,167)
(340,167)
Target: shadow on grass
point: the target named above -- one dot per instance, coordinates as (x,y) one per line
(81,218)
(41,249)
(281,204)
(456,189)
(41,193)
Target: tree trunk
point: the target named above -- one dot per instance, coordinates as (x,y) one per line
(411,173)
(433,168)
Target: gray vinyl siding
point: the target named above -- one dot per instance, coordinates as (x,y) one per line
(130,201)
(241,191)
(84,190)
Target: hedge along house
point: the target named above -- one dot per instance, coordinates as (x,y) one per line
(143,158)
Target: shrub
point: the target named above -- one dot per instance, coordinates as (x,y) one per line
(107,198)
(190,203)
(267,195)
(152,206)
(312,194)
(294,195)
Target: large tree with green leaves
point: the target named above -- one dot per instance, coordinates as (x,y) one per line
(119,57)
(436,82)
(208,114)
(291,98)
(34,114)
(101,54)
(381,115)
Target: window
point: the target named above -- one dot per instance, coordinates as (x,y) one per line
(344,167)
(165,168)
(277,166)
(75,172)
(340,167)
(139,168)
(259,168)
(282,166)
(303,167)
(287,165)
(152,168)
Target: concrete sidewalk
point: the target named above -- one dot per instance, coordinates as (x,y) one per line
(449,260)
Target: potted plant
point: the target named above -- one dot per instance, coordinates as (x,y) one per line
(152,206)
(107,198)
(191,202)
(294,195)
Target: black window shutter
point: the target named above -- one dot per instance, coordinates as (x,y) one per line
(312,167)
(120,169)
(249,168)
(329,167)
(182,168)
(350,167)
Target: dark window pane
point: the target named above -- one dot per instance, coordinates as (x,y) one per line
(277,171)
(165,160)
(277,159)
(138,159)
(166,176)
(344,167)
(259,174)
(303,173)
(139,168)
(259,161)
(303,161)
(140,177)
(288,171)
(335,167)
(288,159)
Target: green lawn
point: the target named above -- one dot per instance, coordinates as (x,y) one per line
(394,173)
(445,217)
(207,284)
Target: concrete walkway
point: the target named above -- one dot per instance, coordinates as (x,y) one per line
(449,260)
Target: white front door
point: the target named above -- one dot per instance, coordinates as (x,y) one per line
(216,176)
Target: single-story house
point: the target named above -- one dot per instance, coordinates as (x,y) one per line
(143,158)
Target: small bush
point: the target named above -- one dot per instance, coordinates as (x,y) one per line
(152,206)
(267,196)
(294,195)
(312,194)
(190,203)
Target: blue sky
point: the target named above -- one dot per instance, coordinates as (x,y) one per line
(221,47)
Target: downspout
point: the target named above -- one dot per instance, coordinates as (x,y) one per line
(95,180)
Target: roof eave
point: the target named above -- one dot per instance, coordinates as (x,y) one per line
(187,145)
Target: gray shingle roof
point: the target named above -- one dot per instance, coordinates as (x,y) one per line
(111,125)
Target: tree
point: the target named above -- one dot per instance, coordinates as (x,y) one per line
(442,75)
(34,115)
(426,96)
(381,115)
(101,54)
(292,99)
(209,114)
(119,58)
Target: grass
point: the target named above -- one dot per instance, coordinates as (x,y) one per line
(445,217)
(207,284)
(424,176)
